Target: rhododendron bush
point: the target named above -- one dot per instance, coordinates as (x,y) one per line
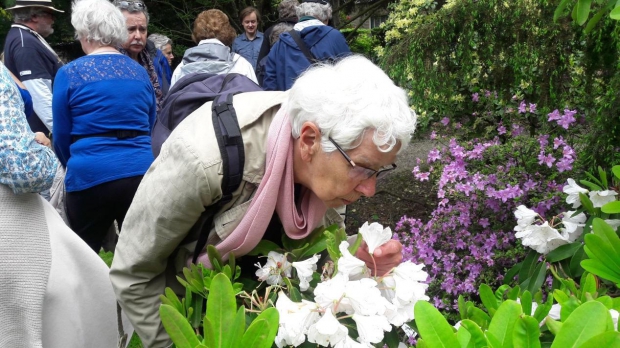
(469,239)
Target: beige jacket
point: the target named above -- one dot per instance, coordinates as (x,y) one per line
(185,178)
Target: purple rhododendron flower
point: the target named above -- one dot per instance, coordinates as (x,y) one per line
(532,107)
(501,130)
(555,115)
(522,107)
(434,155)
(445,121)
(475,97)
(516,130)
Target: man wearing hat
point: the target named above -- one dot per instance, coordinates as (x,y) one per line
(286,60)
(29,57)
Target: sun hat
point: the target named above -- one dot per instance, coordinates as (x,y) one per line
(34,3)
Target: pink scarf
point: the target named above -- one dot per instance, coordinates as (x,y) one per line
(275,192)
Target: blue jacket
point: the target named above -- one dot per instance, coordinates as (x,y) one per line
(162,68)
(286,62)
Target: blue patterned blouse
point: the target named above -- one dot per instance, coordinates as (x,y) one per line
(25,165)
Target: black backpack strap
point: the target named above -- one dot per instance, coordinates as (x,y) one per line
(302,46)
(232,152)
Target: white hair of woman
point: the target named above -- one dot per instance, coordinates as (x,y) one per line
(345,103)
(320,10)
(160,40)
(98,21)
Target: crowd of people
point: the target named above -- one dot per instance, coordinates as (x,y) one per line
(315,140)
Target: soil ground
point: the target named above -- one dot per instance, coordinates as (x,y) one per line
(398,194)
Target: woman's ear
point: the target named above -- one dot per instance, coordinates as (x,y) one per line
(309,140)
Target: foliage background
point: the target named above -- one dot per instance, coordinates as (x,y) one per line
(443,53)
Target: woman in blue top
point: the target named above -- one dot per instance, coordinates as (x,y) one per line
(104,109)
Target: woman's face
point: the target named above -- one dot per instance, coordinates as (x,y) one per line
(167,51)
(335,181)
(250,24)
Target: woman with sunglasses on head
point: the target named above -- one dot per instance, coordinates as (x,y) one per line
(104,109)
(318,147)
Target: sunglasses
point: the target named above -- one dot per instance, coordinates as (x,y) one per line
(361,172)
(127,4)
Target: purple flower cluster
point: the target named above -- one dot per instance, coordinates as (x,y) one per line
(469,238)
(564,120)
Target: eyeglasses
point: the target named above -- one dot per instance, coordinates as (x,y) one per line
(127,4)
(361,172)
(45,14)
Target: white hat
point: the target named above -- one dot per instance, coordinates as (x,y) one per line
(34,3)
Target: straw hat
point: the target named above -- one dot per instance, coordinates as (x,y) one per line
(34,3)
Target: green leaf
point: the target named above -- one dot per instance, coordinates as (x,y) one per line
(568,307)
(526,333)
(553,325)
(214,257)
(603,175)
(177,327)
(538,278)
(589,286)
(463,336)
(196,304)
(209,335)
(587,321)
(606,301)
(221,308)
(237,328)
(603,251)
(478,316)
(603,230)
(526,302)
(563,252)
(503,322)
(594,20)
(611,208)
(575,267)
(598,268)
(263,248)
(596,180)
(512,272)
(528,266)
(609,339)
(587,203)
(559,11)
(433,327)
(262,332)
(477,336)
(488,298)
(616,169)
(583,11)
(462,307)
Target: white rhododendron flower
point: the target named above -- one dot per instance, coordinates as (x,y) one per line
(614,317)
(573,190)
(573,225)
(276,267)
(327,330)
(362,297)
(525,216)
(371,327)
(330,292)
(349,265)
(543,238)
(348,342)
(600,198)
(304,271)
(295,319)
(554,312)
(375,235)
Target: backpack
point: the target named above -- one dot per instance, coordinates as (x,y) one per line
(187,95)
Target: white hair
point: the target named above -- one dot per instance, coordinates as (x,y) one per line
(98,21)
(314,9)
(25,14)
(347,98)
(160,40)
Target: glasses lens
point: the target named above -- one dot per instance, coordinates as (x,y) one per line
(385,171)
(360,173)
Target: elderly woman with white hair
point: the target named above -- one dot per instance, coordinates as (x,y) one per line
(286,60)
(164,45)
(104,109)
(320,146)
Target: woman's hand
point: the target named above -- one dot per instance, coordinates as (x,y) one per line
(386,257)
(40,138)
